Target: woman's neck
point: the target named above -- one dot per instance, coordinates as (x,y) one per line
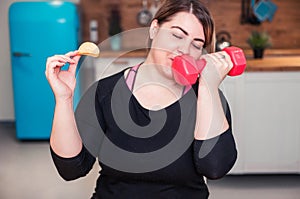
(150,72)
(153,89)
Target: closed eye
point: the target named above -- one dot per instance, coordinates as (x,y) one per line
(198,47)
(177,36)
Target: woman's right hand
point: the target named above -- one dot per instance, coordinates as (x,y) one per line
(62,82)
(217,67)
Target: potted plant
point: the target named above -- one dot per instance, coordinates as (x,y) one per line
(115,28)
(259,41)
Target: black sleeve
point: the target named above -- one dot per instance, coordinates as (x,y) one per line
(75,167)
(215,157)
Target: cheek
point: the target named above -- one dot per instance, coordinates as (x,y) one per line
(161,57)
(163,62)
(163,42)
(163,49)
(196,54)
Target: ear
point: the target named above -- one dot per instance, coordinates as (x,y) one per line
(153,28)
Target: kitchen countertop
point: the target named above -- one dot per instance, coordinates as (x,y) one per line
(274,59)
(280,63)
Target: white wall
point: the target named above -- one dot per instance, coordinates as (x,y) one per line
(6,91)
(6,94)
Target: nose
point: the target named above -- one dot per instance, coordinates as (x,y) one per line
(184,47)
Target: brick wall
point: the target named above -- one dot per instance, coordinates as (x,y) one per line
(284,29)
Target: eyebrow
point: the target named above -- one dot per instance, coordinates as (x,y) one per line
(186,33)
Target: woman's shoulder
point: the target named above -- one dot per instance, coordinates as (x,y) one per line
(106,85)
(111,80)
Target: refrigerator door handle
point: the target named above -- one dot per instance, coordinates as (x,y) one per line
(20,54)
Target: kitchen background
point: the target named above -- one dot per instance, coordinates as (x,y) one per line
(284,31)
(284,28)
(264,101)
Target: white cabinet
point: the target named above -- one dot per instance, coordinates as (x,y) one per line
(265,110)
(233,89)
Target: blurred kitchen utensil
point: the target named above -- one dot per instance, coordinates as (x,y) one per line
(223,40)
(247,15)
(264,9)
(144,17)
(154,7)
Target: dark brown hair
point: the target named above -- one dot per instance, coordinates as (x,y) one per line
(169,8)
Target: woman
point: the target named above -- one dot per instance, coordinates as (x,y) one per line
(179,27)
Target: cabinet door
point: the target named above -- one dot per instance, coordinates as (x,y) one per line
(233,89)
(272,126)
(265,108)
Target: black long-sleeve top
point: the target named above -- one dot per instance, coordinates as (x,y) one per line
(177,179)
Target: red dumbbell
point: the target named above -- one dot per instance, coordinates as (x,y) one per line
(186,69)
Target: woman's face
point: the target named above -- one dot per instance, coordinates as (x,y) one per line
(182,34)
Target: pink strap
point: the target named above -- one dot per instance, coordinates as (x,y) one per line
(186,89)
(130,79)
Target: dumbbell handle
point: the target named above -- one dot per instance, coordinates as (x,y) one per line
(186,69)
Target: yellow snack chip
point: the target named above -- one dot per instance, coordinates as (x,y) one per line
(89,49)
